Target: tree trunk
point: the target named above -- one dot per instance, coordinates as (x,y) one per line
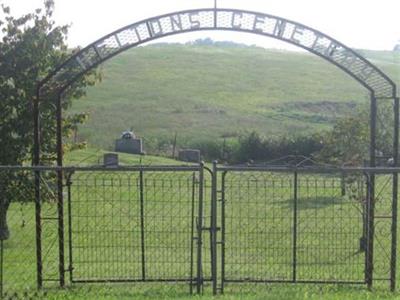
(4,231)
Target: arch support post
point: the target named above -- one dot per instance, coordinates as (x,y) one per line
(35,163)
(60,200)
(393,257)
(371,195)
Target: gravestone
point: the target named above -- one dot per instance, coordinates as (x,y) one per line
(110,160)
(189,155)
(128,143)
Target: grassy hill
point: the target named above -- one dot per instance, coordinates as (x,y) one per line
(208,92)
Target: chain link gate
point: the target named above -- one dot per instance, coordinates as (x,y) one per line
(266,225)
(136,225)
(289,225)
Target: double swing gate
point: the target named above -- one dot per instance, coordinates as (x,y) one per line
(217,227)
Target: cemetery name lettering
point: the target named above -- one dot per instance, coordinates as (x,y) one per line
(250,22)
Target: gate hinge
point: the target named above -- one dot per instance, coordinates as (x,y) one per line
(363,244)
(195,281)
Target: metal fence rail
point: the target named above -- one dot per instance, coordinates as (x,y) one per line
(191,224)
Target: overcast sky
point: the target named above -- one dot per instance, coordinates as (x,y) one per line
(371,24)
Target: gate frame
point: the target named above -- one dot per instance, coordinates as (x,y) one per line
(57,82)
(197,227)
(369,174)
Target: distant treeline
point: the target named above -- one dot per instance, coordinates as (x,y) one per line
(252,146)
(210,42)
(347,143)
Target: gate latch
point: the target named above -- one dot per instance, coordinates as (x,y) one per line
(210,228)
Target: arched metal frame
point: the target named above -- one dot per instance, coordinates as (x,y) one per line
(379,85)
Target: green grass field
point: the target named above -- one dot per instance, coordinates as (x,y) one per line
(94,156)
(259,218)
(209,92)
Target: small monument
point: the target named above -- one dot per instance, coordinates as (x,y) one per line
(110,160)
(190,155)
(129,143)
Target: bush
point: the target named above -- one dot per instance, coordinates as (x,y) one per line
(252,146)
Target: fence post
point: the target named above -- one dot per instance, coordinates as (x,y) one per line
(193,227)
(38,225)
(60,208)
(1,268)
(70,264)
(371,191)
(223,231)
(370,229)
(36,162)
(60,196)
(142,246)
(394,234)
(295,227)
(199,281)
(393,258)
(214,183)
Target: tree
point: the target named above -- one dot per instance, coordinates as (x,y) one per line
(71,126)
(348,142)
(31,46)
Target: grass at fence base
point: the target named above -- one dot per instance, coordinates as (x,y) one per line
(269,292)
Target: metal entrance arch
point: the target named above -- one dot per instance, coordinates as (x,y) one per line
(381,88)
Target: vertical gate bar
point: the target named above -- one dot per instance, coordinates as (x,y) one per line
(60,200)
(1,268)
(365,227)
(200,229)
(142,224)
(192,232)
(36,162)
(393,258)
(223,231)
(394,234)
(363,243)
(371,193)
(70,266)
(370,230)
(214,229)
(38,225)
(295,227)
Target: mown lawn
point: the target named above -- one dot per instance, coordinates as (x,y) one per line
(277,291)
